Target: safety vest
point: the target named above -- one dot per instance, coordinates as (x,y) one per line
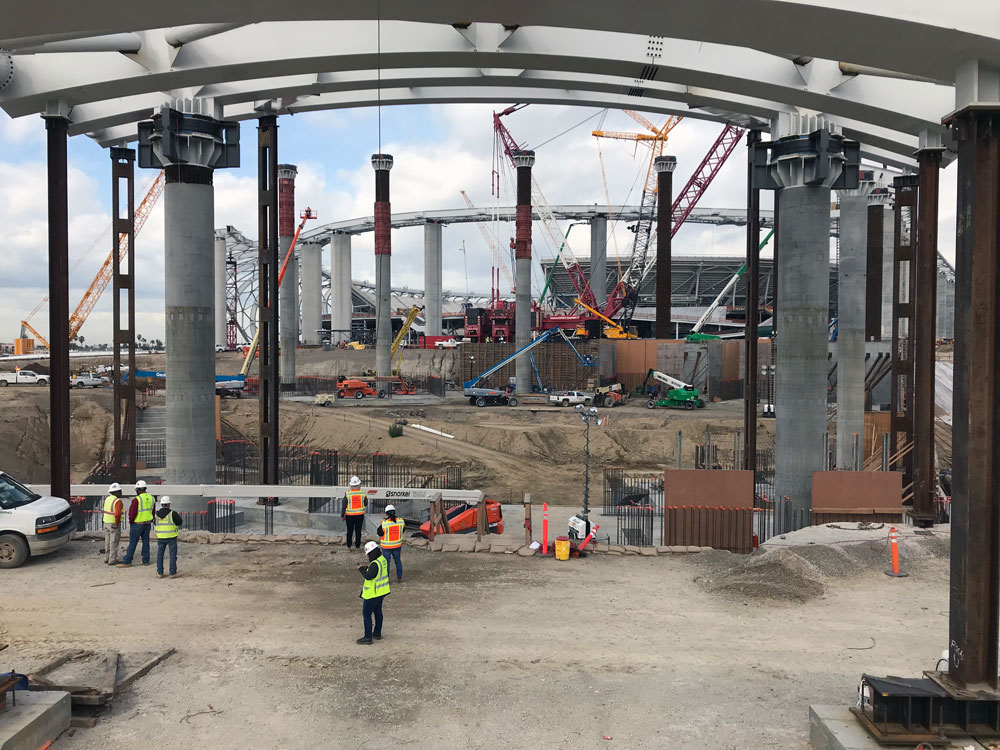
(144,513)
(109,509)
(165,527)
(355,503)
(379,585)
(392,533)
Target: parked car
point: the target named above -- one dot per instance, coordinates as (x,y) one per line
(22,377)
(30,524)
(88,380)
(571,398)
(449,344)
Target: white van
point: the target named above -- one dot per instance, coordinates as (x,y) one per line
(30,524)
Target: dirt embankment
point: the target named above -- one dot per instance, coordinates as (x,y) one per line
(24,431)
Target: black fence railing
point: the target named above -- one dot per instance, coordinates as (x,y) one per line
(776,517)
(635,525)
(623,490)
(153,453)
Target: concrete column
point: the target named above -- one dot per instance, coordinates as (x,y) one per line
(664,166)
(189,289)
(341,304)
(523,160)
(599,259)
(432,278)
(288,292)
(805,176)
(851,320)
(888,271)
(311,256)
(220,291)
(189,218)
(942,312)
(382,163)
(949,306)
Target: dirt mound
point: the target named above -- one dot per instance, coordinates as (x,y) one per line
(782,575)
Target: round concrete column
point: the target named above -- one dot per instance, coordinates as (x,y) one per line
(312,292)
(599,259)
(189,215)
(523,160)
(220,291)
(382,163)
(432,278)
(341,304)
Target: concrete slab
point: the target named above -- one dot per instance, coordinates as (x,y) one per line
(36,720)
(835,728)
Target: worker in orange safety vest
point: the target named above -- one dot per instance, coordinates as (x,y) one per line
(353,511)
(391,533)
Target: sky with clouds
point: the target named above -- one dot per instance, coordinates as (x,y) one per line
(439,150)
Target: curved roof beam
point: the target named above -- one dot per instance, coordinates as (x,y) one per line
(923,37)
(253,52)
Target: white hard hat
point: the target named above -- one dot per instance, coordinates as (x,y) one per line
(115,487)
(370,547)
(165,500)
(390,507)
(141,484)
(355,482)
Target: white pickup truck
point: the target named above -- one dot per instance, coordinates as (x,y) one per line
(571,398)
(30,524)
(88,380)
(22,377)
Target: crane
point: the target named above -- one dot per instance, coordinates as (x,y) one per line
(490,243)
(505,142)
(252,349)
(624,297)
(401,336)
(103,277)
(614,330)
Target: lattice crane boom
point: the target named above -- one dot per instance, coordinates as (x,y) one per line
(488,238)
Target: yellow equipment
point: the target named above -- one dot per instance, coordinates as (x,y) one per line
(401,337)
(612,330)
(104,274)
(355,345)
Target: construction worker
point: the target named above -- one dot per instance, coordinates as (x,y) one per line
(352,511)
(373,590)
(140,518)
(168,524)
(391,533)
(112,524)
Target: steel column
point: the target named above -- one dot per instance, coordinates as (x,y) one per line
(901,374)
(58,206)
(975,541)
(752,311)
(267,295)
(664,166)
(873,272)
(924,338)
(123,227)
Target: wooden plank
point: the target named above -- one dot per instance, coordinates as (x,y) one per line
(144,669)
(59,661)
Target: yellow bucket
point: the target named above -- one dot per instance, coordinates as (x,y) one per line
(562,548)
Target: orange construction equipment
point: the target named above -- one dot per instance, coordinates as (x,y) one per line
(462,520)
(354,388)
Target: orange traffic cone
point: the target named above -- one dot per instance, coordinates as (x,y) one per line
(894,549)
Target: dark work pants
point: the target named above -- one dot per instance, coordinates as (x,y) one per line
(138,532)
(354,526)
(370,607)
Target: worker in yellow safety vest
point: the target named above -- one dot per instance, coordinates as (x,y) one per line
(391,533)
(140,518)
(374,589)
(112,518)
(352,511)
(168,525)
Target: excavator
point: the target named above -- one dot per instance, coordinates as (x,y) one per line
(680,396)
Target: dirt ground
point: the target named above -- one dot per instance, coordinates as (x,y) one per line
(483,651)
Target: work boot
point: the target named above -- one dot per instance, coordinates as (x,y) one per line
(176,575)
(364,641)
(160,575)
(377,637)
(124,565)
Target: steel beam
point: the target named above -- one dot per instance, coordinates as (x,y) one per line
(123,226)
(58,205)
(975,540)
(903,282)
(267,295)
(752,311)
(873,272)
(924,338)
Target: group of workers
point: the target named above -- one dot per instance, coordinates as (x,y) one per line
(375,572)
(143,517)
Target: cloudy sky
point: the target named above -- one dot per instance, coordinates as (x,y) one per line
(439,150)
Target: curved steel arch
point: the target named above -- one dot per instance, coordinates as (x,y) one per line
(298,61)
(923,37)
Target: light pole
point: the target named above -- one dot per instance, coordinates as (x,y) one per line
(587,416)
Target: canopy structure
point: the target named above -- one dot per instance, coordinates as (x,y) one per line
(882,77)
